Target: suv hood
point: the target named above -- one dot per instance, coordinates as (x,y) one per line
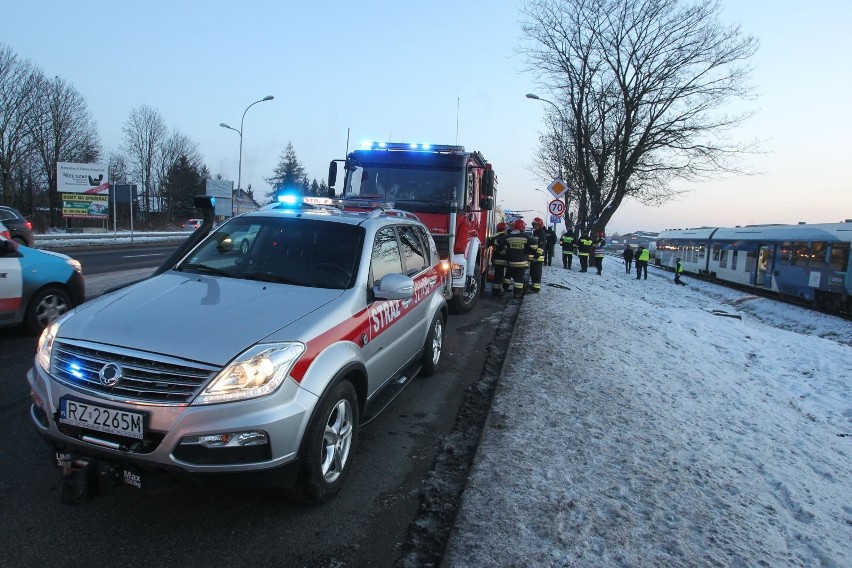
(198,317)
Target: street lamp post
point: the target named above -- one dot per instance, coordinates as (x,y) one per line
(240,132)
(547,199)
(561,127)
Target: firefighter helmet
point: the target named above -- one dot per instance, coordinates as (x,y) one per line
(519,225)
(501,227)
(539,221)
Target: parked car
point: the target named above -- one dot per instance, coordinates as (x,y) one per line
(294,343)
(191,224)
(37,286)
(240,238)
(20,229)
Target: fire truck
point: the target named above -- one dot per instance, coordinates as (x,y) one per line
(450,190)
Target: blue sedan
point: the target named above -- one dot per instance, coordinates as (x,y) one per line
(36,287)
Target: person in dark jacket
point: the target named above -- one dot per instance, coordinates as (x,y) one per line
(628,259)
(500,281)
(551,246)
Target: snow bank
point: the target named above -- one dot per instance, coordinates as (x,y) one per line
(638,424)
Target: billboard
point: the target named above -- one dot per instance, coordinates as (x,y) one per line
(84,189)
(223,191)
(90,179)
(85,206)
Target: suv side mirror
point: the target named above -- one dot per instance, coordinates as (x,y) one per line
(394,286)
(486,203)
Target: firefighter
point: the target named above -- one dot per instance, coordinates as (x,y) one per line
(586,246)
(599,254)
(537,256)
(501,280)
(518,247)
(567,243)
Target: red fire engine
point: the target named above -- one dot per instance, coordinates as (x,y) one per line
(450,190)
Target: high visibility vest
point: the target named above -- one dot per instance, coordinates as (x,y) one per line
(679,268)
(645,255)
(584,246)
(567,244)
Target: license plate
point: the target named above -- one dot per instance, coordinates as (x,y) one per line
(102,419)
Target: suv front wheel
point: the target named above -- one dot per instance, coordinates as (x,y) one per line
(329,445)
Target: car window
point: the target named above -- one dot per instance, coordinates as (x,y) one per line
(386,259)
(302,252)
(415,256)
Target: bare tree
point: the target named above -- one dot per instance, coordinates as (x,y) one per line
(176,147)
(19,80)
(144,133)
(118,168)
(643,85)
(62,131)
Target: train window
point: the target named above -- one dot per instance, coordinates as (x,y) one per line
(749,261)
(723,259)
(716,252)
(839,259)
(734,255)
(786,248)
(819,254)
(801,254)
(701,252)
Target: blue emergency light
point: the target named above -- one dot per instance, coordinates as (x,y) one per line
(425,147)
(289,199)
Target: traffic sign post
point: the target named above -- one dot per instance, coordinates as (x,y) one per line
(557,188)
(556,207)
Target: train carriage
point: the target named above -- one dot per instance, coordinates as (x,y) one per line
(809,263)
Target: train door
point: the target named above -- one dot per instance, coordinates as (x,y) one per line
(763,275)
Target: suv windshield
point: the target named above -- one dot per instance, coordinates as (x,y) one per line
(302,252)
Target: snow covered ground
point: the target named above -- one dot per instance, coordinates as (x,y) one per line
(633,426)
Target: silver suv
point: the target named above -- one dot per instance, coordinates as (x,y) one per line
(256,361)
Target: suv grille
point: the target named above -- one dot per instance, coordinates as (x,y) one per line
(145,377)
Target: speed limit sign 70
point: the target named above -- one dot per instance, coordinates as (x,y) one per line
(556,207)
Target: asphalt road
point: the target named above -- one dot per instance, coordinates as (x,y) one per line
(101,260)
(369,524)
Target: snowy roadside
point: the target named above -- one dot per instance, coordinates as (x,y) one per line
(633,426)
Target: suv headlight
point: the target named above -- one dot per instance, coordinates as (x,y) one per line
(45,345)
(256,372)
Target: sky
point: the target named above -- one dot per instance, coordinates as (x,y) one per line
(444,72)
(640,429)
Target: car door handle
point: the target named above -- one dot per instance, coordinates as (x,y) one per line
(406,303)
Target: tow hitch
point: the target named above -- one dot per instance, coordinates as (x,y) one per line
(85,478)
